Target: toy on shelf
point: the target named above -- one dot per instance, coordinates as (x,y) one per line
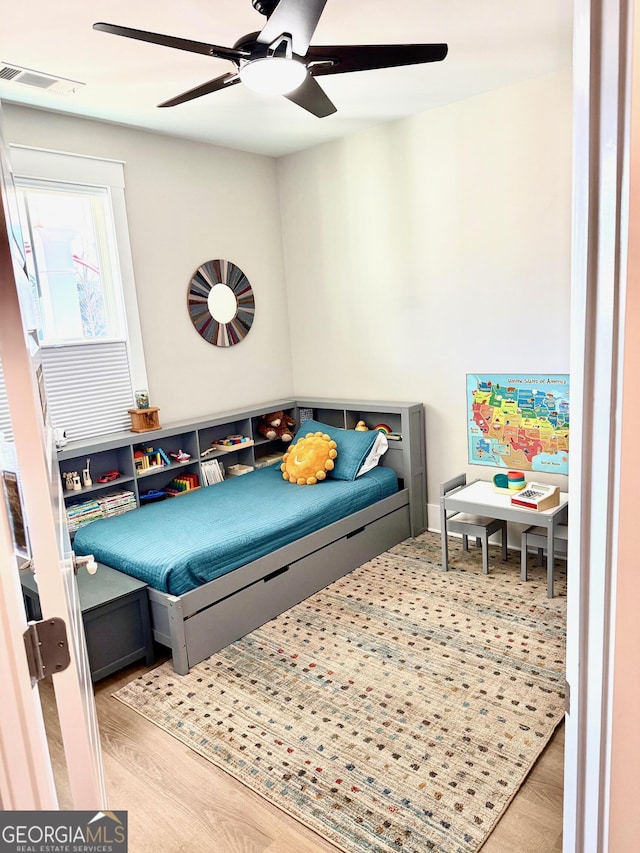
(142,399)
(180,456)
(385,429)
(146,458)
(361,427)
(231,442)
(144,420)
(276,425)
(181,484)
(152,495)
(86,476)
(157,458)
(109,477)
(72,481)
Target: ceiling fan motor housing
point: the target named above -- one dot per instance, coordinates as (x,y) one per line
(265,7)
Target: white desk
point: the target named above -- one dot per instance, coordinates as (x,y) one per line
(480,498)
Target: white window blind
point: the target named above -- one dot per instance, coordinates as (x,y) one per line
(88,388)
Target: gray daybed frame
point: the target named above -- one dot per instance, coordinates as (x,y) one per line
(199,623)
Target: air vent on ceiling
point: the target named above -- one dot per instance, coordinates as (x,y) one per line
(37,79)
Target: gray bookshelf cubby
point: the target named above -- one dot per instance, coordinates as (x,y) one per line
(115,452)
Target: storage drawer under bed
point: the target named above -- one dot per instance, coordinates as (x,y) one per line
(247,609)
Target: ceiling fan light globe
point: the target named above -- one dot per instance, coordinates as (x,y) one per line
(273,75)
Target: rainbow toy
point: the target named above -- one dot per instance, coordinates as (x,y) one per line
(516,480)
(383,428)
(509,483)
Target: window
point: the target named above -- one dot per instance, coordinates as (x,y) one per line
(72,262)
(78,260)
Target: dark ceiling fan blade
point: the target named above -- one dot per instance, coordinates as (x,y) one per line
(365,57)
(222,82)
(312,97)
(299,18)
(171,41)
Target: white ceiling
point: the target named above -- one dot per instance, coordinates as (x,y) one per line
(492,43)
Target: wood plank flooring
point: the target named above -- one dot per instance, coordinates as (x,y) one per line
(178,801)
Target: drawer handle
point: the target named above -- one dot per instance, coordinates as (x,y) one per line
(355,532)
(275,574)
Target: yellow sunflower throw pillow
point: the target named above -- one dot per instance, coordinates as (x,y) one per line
(309,459)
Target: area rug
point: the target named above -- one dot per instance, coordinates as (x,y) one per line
(399,709)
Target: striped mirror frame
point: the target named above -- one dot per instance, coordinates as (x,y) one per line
(221,303)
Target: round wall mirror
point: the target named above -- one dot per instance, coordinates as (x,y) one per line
(221,303)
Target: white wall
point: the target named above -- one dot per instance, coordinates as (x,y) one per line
(429,248)
(187,203)
(414,253)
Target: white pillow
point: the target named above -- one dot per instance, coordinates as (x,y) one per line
(378,449)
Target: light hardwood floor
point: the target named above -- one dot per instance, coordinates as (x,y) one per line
(178,801)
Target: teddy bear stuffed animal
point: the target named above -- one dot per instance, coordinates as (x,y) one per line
(276,425)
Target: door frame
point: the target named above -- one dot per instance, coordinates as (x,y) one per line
(50,552)
(601,92)
(601,146)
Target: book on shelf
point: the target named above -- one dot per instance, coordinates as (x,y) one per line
(106,506)
(83,513)
(212,472)
(117,503)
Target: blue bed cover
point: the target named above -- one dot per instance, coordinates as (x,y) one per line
(181,543)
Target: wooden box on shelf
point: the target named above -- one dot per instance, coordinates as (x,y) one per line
(144,420)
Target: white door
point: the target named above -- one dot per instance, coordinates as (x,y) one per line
(50,550)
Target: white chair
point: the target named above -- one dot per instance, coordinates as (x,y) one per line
(477,526)
(536,537)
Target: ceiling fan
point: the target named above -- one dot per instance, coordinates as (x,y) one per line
(279,59)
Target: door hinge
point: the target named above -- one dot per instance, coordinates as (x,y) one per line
(47,648)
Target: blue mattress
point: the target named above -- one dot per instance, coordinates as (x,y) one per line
(181,543)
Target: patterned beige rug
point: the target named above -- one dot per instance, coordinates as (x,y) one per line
(399,709)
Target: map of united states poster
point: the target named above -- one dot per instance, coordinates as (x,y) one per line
(519,421)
